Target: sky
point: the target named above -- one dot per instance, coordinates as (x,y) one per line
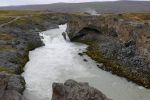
(29,2)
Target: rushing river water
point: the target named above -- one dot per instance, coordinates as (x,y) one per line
(58,61)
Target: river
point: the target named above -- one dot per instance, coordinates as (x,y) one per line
(58,61)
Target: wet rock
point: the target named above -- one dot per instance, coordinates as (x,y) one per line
(85,60)
(72,90)
(100,65)
(64,35)
(80,54)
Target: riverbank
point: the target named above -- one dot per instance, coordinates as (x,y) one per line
(121,42)
(19,34)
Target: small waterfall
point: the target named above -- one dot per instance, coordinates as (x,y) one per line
(66,37)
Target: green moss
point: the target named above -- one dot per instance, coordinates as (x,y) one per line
(4,36)
(5,19)
(3,69)
(6,48)
(20,22)
(142,16)
(23,60)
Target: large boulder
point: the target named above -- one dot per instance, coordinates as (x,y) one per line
(72,90)
(11,87)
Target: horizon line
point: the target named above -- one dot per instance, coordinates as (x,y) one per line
(18,5)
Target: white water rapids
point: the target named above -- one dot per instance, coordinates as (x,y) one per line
(58,61)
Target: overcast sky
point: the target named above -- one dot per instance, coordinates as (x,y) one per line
(27,2)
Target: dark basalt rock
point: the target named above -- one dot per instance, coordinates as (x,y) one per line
(64,35)
(85,60)
(72,90)
(80,54)
(101,65)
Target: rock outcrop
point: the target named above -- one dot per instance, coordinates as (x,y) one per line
(11,86)
(17,38)
(121,42)
(72,90)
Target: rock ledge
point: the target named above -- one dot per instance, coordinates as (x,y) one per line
(72,90)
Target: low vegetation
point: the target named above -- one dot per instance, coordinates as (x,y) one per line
(5,19)
(14,13)
(6,36)
(3,69)
(7,48)
(140,17)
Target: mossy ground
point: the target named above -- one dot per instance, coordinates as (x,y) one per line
(5,19)
(111,65)
(4,69)
(138,16)
(6,36)
(7,48)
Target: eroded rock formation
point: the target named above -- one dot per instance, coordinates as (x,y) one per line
(120,42)
(72,90)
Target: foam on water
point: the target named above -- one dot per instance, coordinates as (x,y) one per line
(58,61)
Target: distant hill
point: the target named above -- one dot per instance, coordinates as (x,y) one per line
(100,7)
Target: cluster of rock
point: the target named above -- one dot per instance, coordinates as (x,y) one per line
(72,90)
(122,45)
